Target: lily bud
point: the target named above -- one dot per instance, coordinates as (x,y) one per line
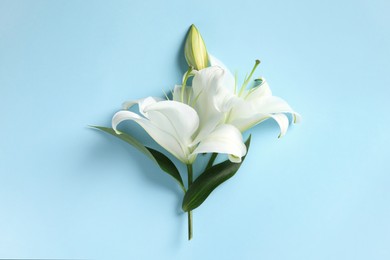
(195,50)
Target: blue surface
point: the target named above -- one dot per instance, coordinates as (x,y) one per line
(320,192)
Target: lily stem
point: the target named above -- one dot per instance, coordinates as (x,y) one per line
(211,161)
(189,171)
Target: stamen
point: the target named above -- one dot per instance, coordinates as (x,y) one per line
(196,98)
(249,78)
(165,94)
(189,97)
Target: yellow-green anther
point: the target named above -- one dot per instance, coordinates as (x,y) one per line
(195,50)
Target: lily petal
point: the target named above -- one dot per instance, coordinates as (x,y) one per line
(260,105)
(272,105)
(224,139)
(171,124)
(128,104)
(177,118)
(188,95)
(261,91)
(208,128)
(163,138)
(244,124)
(229,79)
(210,94)
(283,123)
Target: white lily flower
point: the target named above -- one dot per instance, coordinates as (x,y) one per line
(175,126)
(217,98)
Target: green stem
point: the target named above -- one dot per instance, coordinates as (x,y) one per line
(183,87)
(189,225)
(211,161)
(189,170)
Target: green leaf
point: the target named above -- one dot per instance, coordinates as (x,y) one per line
(210,179)
(159,158)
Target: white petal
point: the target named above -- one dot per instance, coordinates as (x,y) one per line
(188,95)
(166,140)
(177,118)
(262,101)
(283,123)
(210,94)
(171,124)
(271,105)
(208,128)
(128,104)
(224,139)
(244,124)
(296,118)
(234,159)
(144,103)
(229,79)
(260,105)
(176,93)
(275,105)
(261,91)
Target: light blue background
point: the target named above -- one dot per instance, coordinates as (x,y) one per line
(66,191)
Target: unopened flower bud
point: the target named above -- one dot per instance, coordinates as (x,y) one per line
(195,50)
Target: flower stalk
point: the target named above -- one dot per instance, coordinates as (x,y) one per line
(211,161)
(189,172)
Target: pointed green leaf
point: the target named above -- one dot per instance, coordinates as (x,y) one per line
(210,179)
(159,158)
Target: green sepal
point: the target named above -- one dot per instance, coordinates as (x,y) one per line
(210,179)
(159,158)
